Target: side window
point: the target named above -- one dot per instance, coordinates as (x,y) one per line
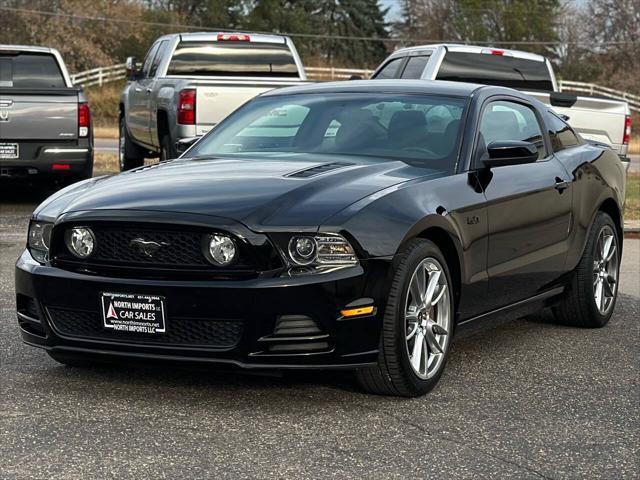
(505,120)
(415,66)
(158,58)
(390,70)
(146,66)
(561,134)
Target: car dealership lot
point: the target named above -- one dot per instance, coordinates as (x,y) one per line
(529,399)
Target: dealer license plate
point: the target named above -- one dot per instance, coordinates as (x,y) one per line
(133,313)
(9,150)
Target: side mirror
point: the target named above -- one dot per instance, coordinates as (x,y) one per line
(185,144)
(509,152)
(131,68)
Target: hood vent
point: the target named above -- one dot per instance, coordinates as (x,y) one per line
(317,170)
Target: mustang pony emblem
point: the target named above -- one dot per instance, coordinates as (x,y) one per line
(147,247)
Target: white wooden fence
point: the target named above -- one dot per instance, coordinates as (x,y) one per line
(102,75)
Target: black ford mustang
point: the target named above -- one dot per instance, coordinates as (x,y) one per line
(348,225)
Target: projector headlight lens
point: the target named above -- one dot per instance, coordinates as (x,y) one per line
(222,250)
(80,241)
(303,250)
(321,250)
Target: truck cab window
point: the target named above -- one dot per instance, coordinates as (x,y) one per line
(390,70)
(415,66)
(146,66)
(158,58)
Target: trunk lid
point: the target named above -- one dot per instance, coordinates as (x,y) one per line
(38,114)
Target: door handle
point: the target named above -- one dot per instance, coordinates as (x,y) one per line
(138,89)
(148,90)
(561,185)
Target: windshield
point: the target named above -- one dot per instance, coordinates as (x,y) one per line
(421,130)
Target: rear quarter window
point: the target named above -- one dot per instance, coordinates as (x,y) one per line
(233,59)
(560,133)
(501,70)
(30,70)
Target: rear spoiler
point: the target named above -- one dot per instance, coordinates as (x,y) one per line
(563,99)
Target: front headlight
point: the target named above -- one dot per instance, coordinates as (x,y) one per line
(39,238)
(322,250)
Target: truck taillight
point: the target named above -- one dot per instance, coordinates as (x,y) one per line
(233,37)
(627,130)
(187,107)
(84,119)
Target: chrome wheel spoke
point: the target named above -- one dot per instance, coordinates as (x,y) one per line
(599,289)
(605,269)
(436,301)
(416,354)
(434,279)
(611,251)
(418,286)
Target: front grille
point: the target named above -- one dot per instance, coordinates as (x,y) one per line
(178,252)
(178,248)
(192,332)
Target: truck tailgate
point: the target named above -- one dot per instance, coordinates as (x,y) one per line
(38,115)
(597,119)
(216,100)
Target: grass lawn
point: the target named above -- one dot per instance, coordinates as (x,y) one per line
(632,203)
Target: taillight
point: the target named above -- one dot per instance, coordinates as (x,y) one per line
(187,107)
(627,130)
(497,52)
(233,37)
(84,119)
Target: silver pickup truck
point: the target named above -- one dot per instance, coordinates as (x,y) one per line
(45,122)
(598,119)
(189,82)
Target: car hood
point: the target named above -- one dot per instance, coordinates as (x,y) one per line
(284,190)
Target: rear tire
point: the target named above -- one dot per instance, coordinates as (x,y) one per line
(130,155)
(407,321)
(590,297)
(167,149)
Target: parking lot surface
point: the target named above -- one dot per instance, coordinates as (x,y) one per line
(528,399)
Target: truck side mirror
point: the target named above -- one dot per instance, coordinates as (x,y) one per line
(131,68)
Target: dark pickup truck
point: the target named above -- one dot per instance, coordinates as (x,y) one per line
(45,122)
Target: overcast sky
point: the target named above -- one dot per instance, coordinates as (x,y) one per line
(394,12)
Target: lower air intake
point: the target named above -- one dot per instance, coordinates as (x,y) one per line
(296,334)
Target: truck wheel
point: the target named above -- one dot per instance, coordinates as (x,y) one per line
(130,155)
(167,149)
(591,295)
(417,326)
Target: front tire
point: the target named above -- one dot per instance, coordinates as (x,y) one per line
(417,326)
(130,155)
(590,297)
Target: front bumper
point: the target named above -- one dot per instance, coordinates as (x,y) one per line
(249,308)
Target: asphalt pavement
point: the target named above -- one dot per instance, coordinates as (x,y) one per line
(528,399)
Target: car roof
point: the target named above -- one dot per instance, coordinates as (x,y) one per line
(27,48)
(213,37)
(456,47)
(432,87)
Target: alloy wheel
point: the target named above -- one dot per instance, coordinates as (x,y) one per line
(605,269)
(427,318)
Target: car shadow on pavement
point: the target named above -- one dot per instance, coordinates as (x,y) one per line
(26,192)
